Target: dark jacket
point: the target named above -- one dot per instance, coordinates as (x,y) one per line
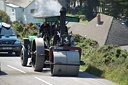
(44,28)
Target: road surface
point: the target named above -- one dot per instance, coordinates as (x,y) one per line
(124,47)
(14,74)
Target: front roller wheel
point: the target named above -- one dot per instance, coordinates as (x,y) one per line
(38,58)
(24,56)
(66,63)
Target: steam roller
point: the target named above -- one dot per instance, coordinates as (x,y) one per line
(60,55)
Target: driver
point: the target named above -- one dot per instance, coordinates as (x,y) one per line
(45,28)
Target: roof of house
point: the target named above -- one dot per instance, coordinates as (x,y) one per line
(12,5)
(92,31)
(118,34)
(111,31)
(21,3)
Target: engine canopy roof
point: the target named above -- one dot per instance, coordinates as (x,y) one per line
(55,18)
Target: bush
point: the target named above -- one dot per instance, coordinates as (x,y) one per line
(82,17)
(79,13)
(107,61)
(23,30)
(4,17)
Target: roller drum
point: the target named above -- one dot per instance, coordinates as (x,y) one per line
(66,63)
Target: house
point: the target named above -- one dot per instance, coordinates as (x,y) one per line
(108,31)
(2,5)
(24,10)
(21,10)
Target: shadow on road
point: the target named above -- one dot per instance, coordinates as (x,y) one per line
(3,73)
(86,75)
(82,74)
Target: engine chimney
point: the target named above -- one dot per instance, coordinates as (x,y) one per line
(98,19)
(62,20)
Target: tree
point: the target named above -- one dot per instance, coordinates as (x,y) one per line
(4,17)
(124,7)
(115,8)
(92,7)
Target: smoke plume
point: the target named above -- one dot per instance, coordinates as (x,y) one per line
(47,7)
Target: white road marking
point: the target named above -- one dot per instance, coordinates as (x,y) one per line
(43,81)
(16,69)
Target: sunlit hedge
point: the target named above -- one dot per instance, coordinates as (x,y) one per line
(25,30)
(106,61)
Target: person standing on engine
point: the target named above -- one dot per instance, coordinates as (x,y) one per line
(55,33)
(55,28)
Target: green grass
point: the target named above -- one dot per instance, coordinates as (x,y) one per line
(84,21)
(106,61)
(76,15)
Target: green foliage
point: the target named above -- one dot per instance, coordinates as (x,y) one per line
(83,21)
(107,61)
(115,8)
(79,13)
(23,30)
(4,17)
(76,15)
(82,17)
(18,27)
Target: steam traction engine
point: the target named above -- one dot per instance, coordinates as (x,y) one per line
(63,58)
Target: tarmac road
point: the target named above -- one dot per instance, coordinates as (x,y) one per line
(12,73)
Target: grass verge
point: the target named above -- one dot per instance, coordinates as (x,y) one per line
(106,61)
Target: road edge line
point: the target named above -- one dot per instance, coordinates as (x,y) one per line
(16,68)
(43,81)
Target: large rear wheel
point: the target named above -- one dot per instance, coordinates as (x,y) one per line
(24,56)
(38,58)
